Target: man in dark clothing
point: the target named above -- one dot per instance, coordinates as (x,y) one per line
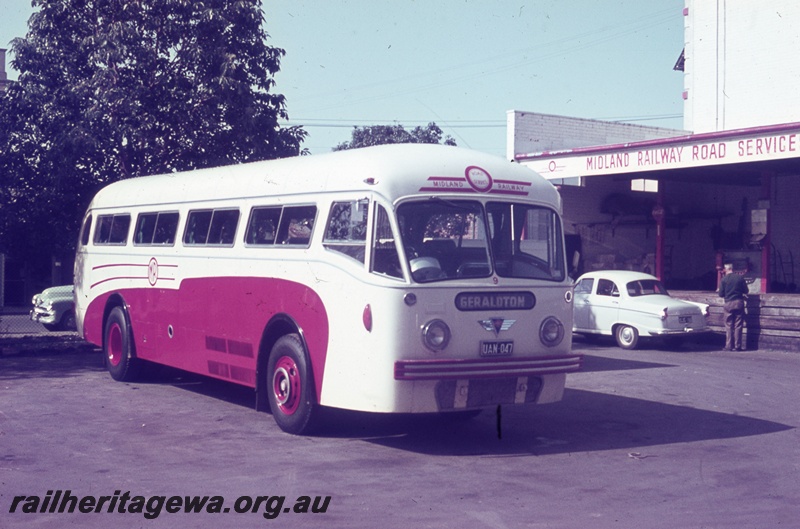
(733,289)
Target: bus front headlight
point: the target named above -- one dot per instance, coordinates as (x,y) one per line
(551,331)
(435,335)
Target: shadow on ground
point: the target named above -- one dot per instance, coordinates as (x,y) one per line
(583,421)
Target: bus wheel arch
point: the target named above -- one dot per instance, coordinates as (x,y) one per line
(119,350)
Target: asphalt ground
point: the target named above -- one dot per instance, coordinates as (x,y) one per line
(692,438)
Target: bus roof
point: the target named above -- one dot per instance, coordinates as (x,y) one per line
(393,171)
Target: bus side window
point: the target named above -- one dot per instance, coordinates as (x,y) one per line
(385,259)
(87,224)
(347,229)
(297,224)
(119,229)
(262,227)
(156,228)
(103,229)
(223,226)
(197,227)
(166,227)
(112,229)
(145,226)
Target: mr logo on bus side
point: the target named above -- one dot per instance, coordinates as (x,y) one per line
(476,180)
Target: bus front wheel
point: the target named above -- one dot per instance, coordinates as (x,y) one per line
(118,350)
(290,386)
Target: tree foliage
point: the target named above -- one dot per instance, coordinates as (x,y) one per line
(112,89)
(382,134)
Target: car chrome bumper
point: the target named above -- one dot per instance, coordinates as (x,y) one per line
(42,316)
(675,332)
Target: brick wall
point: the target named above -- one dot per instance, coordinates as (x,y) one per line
(530,132)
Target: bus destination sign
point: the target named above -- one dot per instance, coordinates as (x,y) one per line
(474,301)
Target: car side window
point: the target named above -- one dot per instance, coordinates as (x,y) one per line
(606,287)
(584,286)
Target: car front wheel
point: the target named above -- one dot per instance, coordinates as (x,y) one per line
(67,322)
(627,337)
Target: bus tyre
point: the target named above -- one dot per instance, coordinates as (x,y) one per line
(118,350)
(627,336)
(290,386)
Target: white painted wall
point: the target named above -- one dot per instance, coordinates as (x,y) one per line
(741,66)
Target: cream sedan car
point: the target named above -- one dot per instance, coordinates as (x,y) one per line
(630,305)
(54,308)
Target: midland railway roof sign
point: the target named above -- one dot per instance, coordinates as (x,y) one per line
(696,150)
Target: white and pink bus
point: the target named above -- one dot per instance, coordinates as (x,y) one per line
(397,278)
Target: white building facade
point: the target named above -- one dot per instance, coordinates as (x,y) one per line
(677,202)
(741,64)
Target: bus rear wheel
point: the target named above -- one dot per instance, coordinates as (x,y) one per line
(290,386)
(118,351)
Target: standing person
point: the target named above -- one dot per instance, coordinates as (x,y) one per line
(733,289)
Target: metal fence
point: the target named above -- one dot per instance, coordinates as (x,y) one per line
(17,321)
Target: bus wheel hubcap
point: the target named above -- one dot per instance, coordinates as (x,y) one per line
(286,385)
(114,345)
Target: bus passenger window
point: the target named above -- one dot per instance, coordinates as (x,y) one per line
(119,229)
(87,224)
(112,229)
(103,229)
(166,227)
(347,229)
(197,227)
(297,223)
(223,226)
(145,226)
(262,226)
(385,259)
(156,229)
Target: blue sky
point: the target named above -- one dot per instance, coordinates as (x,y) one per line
(464,63)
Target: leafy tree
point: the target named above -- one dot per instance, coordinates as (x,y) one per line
(382,134)
(112,89)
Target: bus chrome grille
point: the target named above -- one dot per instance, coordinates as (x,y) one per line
(476,368)
(476,393)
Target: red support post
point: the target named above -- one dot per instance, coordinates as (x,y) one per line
(766,245)
(661,225)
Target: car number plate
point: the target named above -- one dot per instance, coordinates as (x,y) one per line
(497,348)
(684,319)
